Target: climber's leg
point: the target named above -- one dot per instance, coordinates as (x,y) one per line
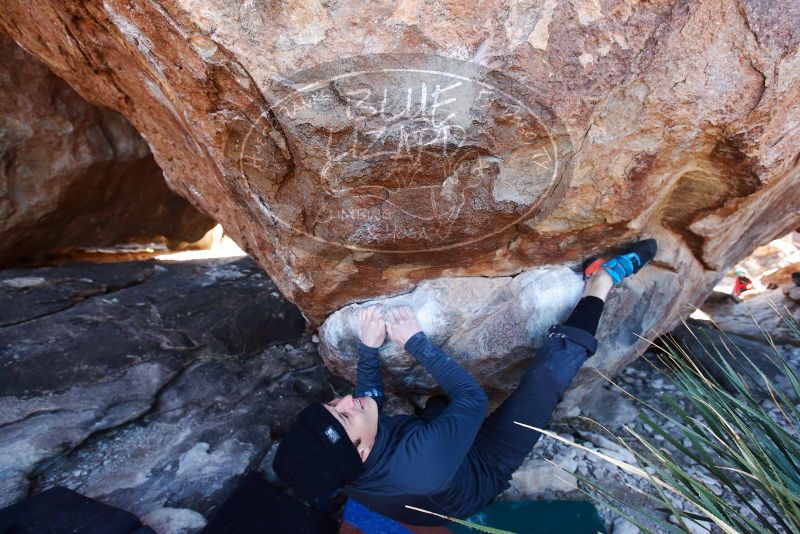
(501,445)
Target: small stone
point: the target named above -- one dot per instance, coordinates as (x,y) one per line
(693,527)
(601,441)
(567,454)
(567,464)
(622,455)
(711,483)
(623,526)
(539,477)
(609,408)
(174,521)
(612,449)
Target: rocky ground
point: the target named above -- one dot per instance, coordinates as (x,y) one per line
(152,386)
(551,469)
(558,470)
(148,385)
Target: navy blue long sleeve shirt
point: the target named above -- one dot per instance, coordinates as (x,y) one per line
(415,462)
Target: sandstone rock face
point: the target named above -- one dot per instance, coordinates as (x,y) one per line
(487,324)
(355,160)
(137,349)
(73,174)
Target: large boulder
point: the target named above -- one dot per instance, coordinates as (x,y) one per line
(492,326)
(88,348)
(357,150)
(73,174)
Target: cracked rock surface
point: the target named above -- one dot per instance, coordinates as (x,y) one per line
(212,423)
(178,360)
(493,326)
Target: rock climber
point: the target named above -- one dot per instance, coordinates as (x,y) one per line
(454,462)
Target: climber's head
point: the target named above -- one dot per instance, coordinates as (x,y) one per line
(327,445)
(359,417)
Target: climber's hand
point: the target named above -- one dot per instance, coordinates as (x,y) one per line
(401,324)
(371,326)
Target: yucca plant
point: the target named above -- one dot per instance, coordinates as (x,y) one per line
(749,450)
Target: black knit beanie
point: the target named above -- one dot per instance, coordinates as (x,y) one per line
(316,457)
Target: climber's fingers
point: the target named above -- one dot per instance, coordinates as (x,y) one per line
(376,314)
(379,315)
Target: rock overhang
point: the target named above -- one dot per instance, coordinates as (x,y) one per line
(655,109)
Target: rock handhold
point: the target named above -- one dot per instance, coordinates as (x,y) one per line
(486,324)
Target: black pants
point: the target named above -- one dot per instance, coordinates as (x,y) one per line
(501,446)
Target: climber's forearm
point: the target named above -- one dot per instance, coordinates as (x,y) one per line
(456,382)
(369,382)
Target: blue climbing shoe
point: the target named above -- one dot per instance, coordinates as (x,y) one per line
(639,254)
